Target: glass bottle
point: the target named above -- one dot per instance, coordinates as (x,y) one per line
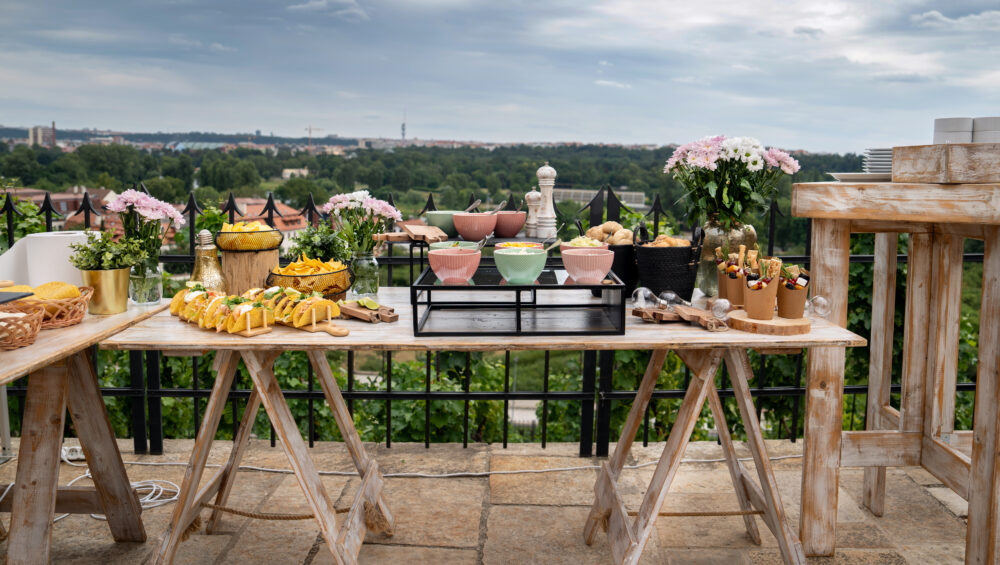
(206,264)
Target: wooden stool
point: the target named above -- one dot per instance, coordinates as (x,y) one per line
(628,537)
(369,504)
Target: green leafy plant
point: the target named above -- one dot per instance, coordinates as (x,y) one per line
(102,252)
(320,242)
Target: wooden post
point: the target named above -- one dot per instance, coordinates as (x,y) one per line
(880,358)
(983,533)
(244,270)
(825,393)
(942,350)
(37,473)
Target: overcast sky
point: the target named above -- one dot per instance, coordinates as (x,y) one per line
(826,75)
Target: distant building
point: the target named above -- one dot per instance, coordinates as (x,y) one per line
(41,135)
(290,173)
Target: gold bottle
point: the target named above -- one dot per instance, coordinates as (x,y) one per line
(206,264)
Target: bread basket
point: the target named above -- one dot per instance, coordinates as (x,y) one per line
(19,332)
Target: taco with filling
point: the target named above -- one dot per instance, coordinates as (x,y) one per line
(248,316)
(314,309)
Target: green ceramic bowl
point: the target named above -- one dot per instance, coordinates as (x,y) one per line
(442,219)
(520,265)
(455,243)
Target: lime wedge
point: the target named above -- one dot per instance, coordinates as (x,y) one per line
(368,303)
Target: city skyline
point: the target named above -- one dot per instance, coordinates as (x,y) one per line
(832,76)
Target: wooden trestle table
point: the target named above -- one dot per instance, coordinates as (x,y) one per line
(938,219)
(701,350)
(62,375)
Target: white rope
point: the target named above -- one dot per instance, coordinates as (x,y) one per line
(160,492)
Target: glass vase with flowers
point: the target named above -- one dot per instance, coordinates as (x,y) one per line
(726,179)
(359,217)
(146,220)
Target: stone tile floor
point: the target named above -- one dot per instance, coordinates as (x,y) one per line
(515,519)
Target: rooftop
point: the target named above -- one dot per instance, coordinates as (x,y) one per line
(521,518)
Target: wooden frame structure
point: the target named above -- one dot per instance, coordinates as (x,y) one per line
(693,343)
(627,537)
(921,432)
(62,376)
(369,511)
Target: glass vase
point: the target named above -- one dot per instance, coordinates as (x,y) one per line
(145,284)
(366,274)
(717,236)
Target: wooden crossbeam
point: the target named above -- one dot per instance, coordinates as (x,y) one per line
(881,448)
(69,500)
(948,464)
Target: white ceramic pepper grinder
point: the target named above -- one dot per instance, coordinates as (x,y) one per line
(547,214)
(534,202)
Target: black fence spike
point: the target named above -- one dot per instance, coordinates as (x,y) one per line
(231,208)
(47,209)
(430,206)
(472,199)
(510,202)
(596,206)
(310,211)
(9,207)
(86,208)
(192,205)
(656,210)
(270,208)
(142,186)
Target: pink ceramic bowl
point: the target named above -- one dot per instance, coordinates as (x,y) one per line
(509,223)
(564,246)
(474,226)
(588,265)
(454,265)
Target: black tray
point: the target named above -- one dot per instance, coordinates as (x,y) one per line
(6,297)
(488,306)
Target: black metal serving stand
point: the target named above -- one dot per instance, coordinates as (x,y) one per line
(488,306)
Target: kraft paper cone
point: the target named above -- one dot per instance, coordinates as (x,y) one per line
(734,289)
(723,288)
(759,304)
(792,303)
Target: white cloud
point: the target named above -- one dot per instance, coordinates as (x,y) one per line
(220,48)
(605,63)
(611,83)
(182,41)
(988,20)
(349,10)
(80,35)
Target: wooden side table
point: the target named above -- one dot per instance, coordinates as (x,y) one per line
(921,432)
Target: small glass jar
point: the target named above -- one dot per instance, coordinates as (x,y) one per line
(145,284)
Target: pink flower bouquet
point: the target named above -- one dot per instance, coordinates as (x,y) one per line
(360,217)
(726,177)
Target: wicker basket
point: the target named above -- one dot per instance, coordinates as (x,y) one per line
(19,332)
(62,312)
(249,241)
(332,285)
(670,268)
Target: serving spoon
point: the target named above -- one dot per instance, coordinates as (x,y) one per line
(499,206)
(472,207)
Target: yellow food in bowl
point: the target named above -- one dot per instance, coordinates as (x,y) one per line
(246,227)
(307,266)
(56,290)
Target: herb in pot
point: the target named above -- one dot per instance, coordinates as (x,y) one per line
(320,242)
(102,252)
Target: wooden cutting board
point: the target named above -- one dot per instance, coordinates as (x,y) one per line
(429,234)
(738,320)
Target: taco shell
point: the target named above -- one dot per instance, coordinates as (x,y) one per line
(177,302)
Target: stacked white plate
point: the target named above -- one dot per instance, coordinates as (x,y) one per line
(878,160)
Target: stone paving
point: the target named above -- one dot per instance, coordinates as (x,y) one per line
(515,519)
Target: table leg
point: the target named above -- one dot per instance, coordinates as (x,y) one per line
(90,418)
(624,445)
(673,451)
(942,346)
(188,503)
(295,449)
(233,464)
(735,468)
(880,358)
(362,462)
(825,393)
(983,536)
(34,491)
(740,375)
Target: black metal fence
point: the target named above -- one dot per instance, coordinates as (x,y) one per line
(146,391)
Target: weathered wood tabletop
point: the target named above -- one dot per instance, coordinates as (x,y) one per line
(168,333)
(53,345)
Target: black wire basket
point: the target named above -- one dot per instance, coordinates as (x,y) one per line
(332,285)
(264,240)
(670,268)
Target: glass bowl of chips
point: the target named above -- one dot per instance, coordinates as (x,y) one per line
(248,236)
(329,278)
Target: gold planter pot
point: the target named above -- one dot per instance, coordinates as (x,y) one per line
(110,290)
